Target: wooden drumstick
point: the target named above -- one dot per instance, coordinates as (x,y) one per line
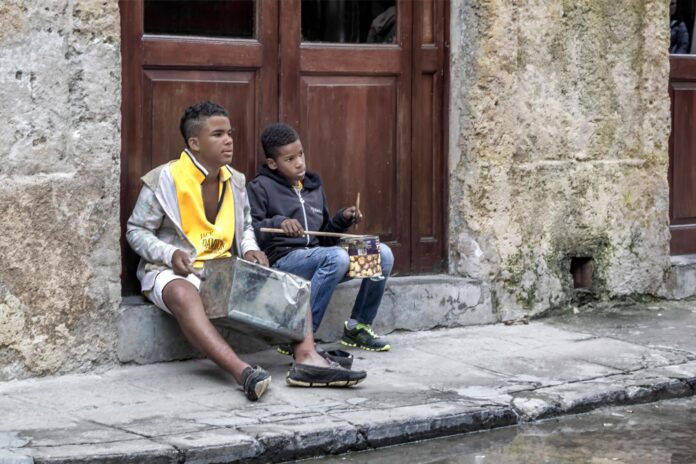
(309,232)
(357,210)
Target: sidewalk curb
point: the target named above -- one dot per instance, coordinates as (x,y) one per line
(344,431)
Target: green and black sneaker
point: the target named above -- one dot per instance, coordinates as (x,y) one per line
(284,348)
(363,337)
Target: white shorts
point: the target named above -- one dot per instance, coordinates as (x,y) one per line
(161,281)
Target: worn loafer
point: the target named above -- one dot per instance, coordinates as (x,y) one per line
(304,375)
(255,381)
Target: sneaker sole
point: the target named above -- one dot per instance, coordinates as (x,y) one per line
(337,383)
(261,387)
(376,350)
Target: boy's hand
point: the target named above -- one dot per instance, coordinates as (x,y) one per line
(292,227)
(255,256)
(182,264)
(352,214)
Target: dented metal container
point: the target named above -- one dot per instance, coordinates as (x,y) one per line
(255,300)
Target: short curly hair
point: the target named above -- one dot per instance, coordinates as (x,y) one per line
(195,115)
(275,136)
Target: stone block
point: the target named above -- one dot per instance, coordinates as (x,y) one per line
(213,446)
(414,303)
(680,279)
(147,335)
(10,457)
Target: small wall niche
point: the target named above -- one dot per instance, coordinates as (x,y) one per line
(582,268)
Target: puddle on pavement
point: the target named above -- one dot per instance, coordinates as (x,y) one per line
(655,433)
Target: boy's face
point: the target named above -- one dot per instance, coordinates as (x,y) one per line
(289,162)
(213,146)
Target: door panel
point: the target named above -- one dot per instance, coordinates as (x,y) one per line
(682,171)
(353,60)
(352,124)
(171,52)
(169,91)
(682,141)
(351,104)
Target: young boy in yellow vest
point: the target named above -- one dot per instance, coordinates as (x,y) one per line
(195,209)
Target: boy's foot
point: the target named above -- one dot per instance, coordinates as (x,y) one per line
(362,336)
(255,381)
(343,358)
(304,375)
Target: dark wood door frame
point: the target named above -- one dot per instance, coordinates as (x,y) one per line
(216,68)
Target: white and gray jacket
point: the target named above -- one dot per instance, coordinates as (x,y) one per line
(154,228)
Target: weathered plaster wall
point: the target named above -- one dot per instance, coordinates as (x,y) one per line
(59,185)
(558,146)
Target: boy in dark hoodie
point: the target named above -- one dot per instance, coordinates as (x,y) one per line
(284,195)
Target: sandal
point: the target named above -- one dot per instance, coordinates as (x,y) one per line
(255,381)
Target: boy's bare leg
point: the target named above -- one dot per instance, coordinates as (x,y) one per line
(305,352)
(183,300)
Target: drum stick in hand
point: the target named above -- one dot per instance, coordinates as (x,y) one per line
(271,230)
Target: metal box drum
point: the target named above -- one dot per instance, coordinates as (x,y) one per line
(255,300)
(363,253)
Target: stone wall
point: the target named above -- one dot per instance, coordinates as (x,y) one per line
(559,124)
(60,87)
(558,149)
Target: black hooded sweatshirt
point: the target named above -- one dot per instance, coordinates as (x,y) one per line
(273,200)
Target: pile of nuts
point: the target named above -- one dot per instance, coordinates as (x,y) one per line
(365,265)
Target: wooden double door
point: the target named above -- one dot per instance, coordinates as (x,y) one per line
(362,81)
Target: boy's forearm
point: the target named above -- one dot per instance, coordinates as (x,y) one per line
(248,241)
(338,223)
(149,247)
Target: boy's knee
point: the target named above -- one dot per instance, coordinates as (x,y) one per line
(387,258)
(338,258)
(180,294)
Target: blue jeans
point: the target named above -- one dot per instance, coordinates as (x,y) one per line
(325,267)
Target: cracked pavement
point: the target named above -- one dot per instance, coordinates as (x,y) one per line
(431,384)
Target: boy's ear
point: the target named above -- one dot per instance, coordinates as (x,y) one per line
(193,144)
(271,163)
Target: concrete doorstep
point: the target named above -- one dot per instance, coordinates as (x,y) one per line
(148,335)
(434,383)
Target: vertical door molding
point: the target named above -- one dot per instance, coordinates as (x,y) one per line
(428,142)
